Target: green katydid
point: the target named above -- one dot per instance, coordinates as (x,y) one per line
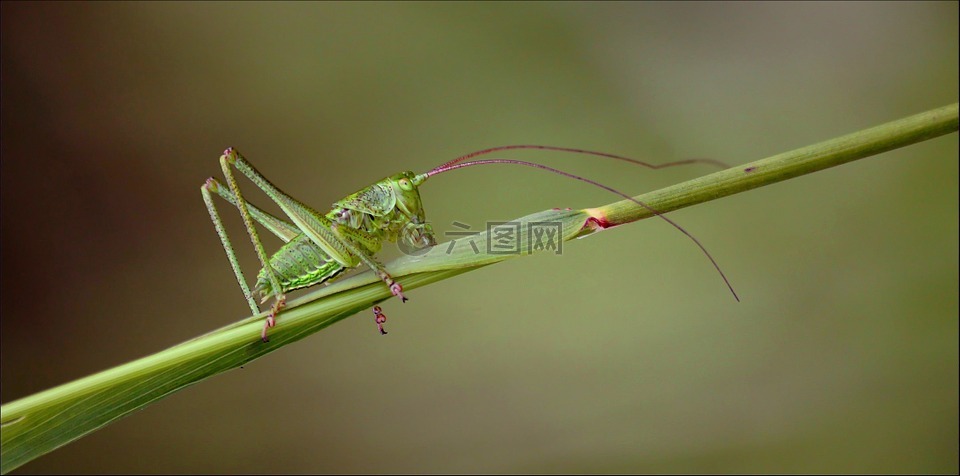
(319,247)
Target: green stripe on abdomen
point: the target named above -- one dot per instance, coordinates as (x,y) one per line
(298,264)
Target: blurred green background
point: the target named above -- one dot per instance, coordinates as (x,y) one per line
(626,354)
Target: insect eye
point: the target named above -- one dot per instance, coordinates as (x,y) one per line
(405,184)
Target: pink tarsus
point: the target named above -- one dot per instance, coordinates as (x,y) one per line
(272,318)
(381,318)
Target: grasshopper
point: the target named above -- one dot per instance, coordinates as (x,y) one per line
(318,247)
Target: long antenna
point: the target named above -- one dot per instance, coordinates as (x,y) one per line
(587,152)
(459,163)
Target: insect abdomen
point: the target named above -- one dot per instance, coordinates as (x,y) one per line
(298,264)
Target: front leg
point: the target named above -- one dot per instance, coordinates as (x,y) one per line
(350,237)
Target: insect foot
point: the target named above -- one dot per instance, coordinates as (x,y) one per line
(230,154)
(272,318)
(394,286)
(380,317)
(397,291)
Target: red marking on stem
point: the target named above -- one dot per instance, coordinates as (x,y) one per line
(749,169)
(598,220)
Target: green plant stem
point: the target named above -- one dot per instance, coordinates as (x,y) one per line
(42,422)
(802,161)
